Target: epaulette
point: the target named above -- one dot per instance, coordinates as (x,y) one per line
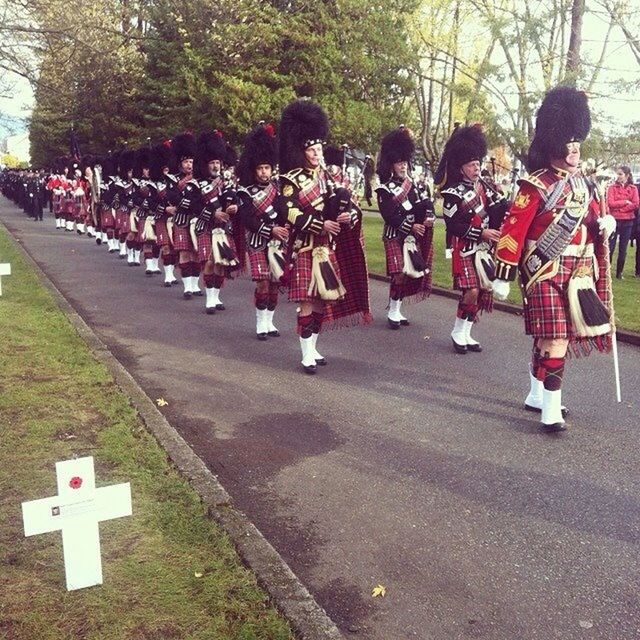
(535,179)
(458,191)
(297,177)
(382,187)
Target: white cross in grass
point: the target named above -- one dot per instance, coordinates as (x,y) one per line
(5,270)
(76,511)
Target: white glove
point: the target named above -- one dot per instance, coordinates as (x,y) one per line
(501,289)
(607,225)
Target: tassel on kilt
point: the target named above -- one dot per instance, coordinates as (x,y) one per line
(170,230)
(149,231)
(324,280)
(414,265)
(192,233)
(221,251)
(275,257)
(589,316)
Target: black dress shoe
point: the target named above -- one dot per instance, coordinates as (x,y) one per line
(261,336)
(476,348)
(167,284)
(321,362)
(187,295)
(556,427)
(274,334)
(393,324)
(98,240)
(220,307)
(148,273)
(198,293)
(459,348)
(309,369)
(528,407)
(210,311)
(405,323)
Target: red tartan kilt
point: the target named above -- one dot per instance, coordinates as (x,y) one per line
(119,220)
(57,205)
(301,276)
(393,254)
(204,246)
(68,207)
(258,264)
(107,219)
(162,235)
(126,223)
(80,213)
(182,239)
(546,310)
(467,276)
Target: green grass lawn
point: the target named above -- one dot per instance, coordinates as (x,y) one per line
(57,402)
(626,293)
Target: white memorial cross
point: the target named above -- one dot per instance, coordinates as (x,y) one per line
(5,270)
(76,511)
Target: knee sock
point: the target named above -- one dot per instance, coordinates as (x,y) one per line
(395,291)
(550,371)
(467,311)
(304,326)
(261,299)
(273,296)
(317,317)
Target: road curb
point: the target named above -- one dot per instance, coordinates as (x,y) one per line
(629,337)
(307,618)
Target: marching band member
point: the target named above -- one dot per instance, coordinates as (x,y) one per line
(555,238)
(267,234)
(217,228)
(408,215)
(473,212)
(317,214)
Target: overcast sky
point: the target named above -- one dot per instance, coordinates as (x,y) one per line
(620,108)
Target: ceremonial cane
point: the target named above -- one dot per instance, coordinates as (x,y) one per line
(614,340)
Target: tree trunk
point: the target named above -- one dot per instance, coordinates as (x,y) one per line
(575,41)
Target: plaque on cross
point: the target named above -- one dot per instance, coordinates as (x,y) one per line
(76,511)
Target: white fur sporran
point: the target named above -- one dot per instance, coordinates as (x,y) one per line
(589,316)
(413,264)
(276,260)
(485,268)
(324,280)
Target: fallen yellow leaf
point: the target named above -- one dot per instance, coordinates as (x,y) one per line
(161,402)
(379,591)
(198,574)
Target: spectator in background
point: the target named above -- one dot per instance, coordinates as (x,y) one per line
(623,201)
(637,234)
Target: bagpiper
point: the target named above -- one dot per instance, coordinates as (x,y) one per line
(162,179)
(216,228)
(267,234)
(184,206)
(124,204)
(473,212)
(407,210)
(555,236)
(107,201)
(318,214)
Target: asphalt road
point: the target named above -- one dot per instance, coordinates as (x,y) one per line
(400,463)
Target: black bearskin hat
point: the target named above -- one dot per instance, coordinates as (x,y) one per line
(259,148)
(161,157)
(211,146)
(184,146)
(304,123)
(126,161)
(333,155)
(396,146)
(563,117)
(466,144)
(142,161)
(230,156)
(109,166)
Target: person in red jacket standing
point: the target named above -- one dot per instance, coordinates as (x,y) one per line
(622,200)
